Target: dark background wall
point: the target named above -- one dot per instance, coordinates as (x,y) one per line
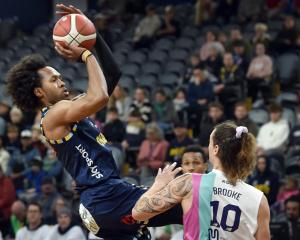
(30,13)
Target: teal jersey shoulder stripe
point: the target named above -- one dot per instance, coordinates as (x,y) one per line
(205,197)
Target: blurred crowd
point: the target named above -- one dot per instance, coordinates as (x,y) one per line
(228,76)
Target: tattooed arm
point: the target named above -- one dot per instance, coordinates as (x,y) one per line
(154,201)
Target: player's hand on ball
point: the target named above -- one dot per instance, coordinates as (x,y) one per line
(72,53)
(166,175)
(63,10)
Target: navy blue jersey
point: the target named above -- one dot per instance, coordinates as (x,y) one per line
(106,200)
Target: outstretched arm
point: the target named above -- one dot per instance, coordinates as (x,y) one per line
(107,62)
(159,198)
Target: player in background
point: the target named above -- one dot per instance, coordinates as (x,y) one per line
(106,200)
(217,205)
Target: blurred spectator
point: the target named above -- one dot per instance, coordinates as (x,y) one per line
(121,101)
(260,73)
(152,152)
(47,197)
(230,84)
(101,25)
(35,230)
(53,167)
(13,144)
(4,156)
(213,62)
(289,189)
(2,126)
(210,41)
(227,10)
(5,105)
(146,29)
(135,130)
(65,229)
(291,218)
(200,94)
(214,117)
(7,197)
(242,118)
(58,203)
(205,11)
(264,179)
(28,152)
(274,7)
(169,26)
(260,34)
(34,177)
(142,104)
(274,134)
(229,72)
(16,117)
(193,160)
(37,137)
(286,38)
(18,216)
(223,38)
(250,10)
(179,143)
(181,105)
(294,139)
(114,129)
(163,111)
(236,34)
(194,61)
(239,55)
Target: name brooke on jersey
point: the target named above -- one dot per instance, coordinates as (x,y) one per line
(89,162)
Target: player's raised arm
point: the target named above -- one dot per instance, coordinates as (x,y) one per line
(108,64)
(96,97)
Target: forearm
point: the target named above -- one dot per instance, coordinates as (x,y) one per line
(109,66)
(160,198)
(97,87)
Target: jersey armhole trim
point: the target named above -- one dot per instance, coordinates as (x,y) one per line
(57,141)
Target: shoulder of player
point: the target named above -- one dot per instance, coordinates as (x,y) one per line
(55,111)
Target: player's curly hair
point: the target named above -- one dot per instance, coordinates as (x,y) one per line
(22,79)
(237,155)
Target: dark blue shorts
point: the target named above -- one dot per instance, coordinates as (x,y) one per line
(106,211)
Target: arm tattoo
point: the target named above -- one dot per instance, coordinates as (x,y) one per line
(166,198)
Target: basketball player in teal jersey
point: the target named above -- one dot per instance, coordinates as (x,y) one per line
(106,200)
(217,205)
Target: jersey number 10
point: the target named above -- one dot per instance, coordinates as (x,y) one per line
(214,222)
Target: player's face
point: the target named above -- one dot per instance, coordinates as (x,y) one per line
(193,162)
(53,87)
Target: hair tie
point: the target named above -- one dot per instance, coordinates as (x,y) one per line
(239,130)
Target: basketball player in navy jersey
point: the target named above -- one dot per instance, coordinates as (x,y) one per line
(106,200)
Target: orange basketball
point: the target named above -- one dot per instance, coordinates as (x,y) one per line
(75,29)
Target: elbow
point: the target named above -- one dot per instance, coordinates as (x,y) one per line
(102,100)
(138,216)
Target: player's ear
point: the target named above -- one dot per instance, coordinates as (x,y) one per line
(216,149)
(38,92)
